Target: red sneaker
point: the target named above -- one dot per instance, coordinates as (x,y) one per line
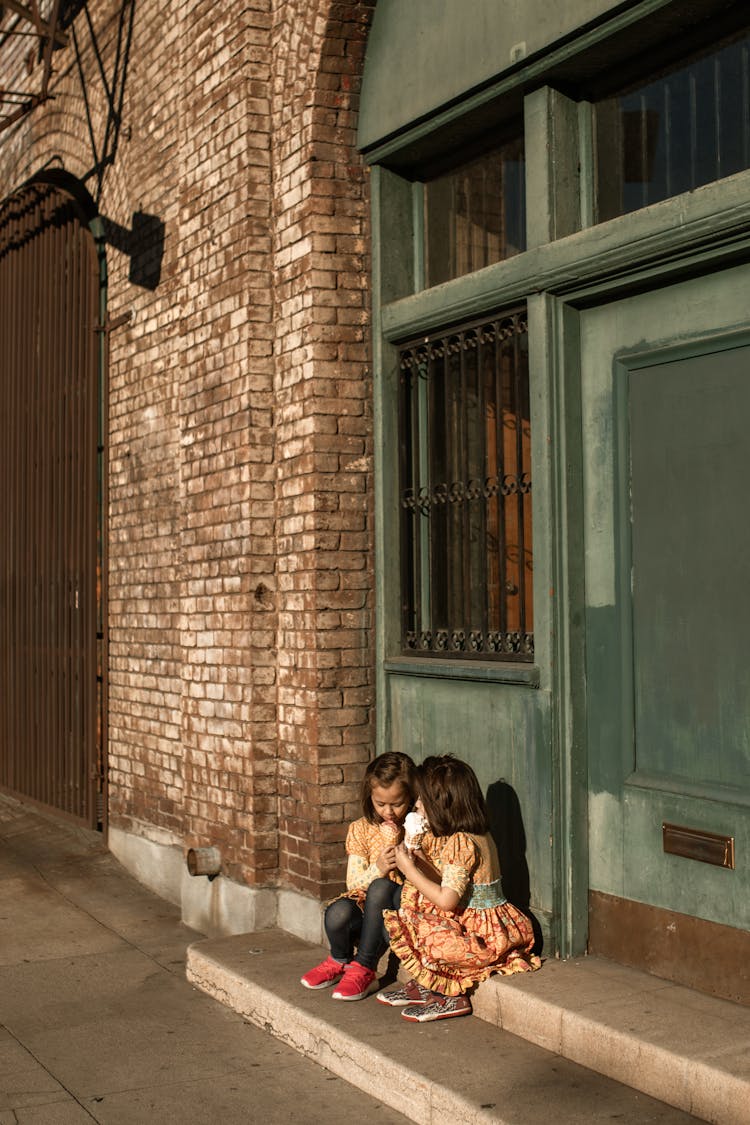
(323,974)
(355,983)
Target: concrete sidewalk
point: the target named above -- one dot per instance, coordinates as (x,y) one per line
(97,1020)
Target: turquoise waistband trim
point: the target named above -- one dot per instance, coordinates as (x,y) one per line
(485,895)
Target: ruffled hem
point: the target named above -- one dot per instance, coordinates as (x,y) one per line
(454,982)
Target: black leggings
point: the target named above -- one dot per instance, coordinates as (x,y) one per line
(348,925)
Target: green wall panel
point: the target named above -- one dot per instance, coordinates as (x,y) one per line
(558,760)
(426,53)
(690,459)
(503,732)
(699,889)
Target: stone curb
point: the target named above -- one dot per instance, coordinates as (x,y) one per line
(686,1049)
(682,1048)
(396,1084)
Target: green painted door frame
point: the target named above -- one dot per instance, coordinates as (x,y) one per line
(528,726)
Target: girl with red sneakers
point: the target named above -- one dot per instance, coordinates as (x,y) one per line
(454,926)
(373,881)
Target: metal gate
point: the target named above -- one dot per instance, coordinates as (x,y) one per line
(50,570)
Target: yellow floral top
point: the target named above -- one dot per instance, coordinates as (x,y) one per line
(469,866)
(364,843)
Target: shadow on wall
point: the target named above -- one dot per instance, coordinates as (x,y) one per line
(506,828)
(108,78)
(143,244)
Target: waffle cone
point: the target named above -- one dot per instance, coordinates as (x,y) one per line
(391,833)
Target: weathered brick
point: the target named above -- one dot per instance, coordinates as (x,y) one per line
(240,518)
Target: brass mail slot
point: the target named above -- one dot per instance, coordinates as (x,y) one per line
(694,843)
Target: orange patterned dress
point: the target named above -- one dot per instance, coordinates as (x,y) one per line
(364,843)
(451,951)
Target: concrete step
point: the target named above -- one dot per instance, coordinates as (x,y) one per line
(582,1040)
(682,1047)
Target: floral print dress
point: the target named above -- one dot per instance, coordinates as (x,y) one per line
(451,951)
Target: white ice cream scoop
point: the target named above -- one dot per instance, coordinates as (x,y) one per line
(415,826)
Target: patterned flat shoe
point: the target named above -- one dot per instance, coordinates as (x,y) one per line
(411,993)
(441,1008)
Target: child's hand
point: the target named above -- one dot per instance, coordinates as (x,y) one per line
(423,875)
(386,861)
(424,864)
(404,860)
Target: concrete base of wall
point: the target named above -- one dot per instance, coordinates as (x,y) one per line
(158,866)
(216,907)
(301,916)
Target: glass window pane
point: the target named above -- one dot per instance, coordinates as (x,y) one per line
(675,131)
(475,214)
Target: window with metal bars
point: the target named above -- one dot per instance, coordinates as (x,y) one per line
(675,131)
(465,490)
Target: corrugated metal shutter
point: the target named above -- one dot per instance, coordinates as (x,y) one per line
(49,570)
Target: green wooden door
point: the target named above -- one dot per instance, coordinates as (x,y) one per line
(666,435)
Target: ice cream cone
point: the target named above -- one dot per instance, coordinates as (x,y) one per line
(390,832)
(415,827)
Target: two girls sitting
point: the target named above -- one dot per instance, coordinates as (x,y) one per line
(440,905)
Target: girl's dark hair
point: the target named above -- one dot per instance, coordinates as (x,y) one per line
(451,796)
(384,770)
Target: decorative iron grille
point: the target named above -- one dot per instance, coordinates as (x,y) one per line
(465,477)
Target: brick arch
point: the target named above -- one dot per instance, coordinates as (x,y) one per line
(58,133)
(47,138)
(240,432)
(324,434)
(56,136)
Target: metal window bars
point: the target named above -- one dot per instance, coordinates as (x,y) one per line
(465,491)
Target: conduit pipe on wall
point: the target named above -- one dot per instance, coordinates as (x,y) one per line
(204,861)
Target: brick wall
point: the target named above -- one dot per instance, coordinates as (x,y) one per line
(146,778)
(228,617)
(324,435)
(240,431)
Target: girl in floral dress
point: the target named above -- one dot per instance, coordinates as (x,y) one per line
(373,881)
(454,926)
